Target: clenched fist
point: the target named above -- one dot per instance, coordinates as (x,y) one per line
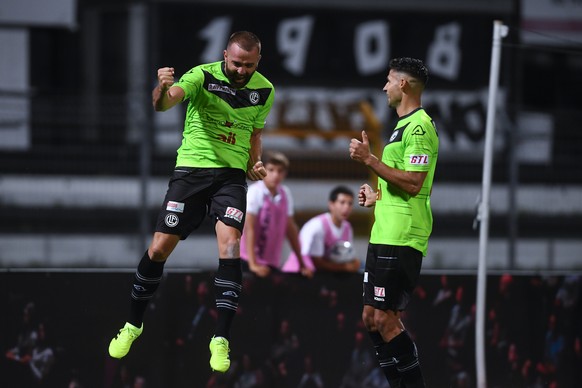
(367,196)
(165,77)
(257,172)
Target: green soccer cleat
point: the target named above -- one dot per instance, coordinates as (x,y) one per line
(219,360)
(119,346)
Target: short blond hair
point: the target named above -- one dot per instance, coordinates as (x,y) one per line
(276,158)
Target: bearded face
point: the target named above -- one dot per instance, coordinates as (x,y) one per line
(239,64)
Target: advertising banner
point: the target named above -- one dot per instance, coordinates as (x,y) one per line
(323,63)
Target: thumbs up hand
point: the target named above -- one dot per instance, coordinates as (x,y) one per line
(360,150)
(365,138)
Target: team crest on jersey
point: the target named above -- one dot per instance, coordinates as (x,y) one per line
(254,97)
(394,134)
(234,213)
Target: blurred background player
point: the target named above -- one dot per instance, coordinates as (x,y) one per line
(327,239)
(269,220)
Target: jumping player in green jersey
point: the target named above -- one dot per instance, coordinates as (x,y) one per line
(228,102)
(403,220)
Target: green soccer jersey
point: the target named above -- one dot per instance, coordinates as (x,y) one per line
(220,118)
(402,219)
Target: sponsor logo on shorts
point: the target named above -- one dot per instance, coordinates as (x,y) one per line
(365,277)
(171,220)
(177,207)
(380,291)
(234,213)
(419,159)
(379,294)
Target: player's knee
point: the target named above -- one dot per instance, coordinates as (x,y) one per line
(162,246)
(368,319)
(386,323)
(228,239)
(230,248)
(233,248)
(158,253)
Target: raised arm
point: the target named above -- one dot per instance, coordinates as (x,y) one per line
(165,96)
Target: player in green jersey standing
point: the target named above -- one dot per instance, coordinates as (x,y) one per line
(228,102)
(403,220)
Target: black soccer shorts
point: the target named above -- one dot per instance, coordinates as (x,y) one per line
(194,193)
(390,276)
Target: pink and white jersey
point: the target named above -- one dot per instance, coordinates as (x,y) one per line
(272,214)
(317,237)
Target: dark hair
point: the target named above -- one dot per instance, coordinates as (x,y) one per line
(340,190)
(246,40)
(276,158)
(411,66)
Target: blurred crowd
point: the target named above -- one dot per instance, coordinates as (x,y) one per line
(533,331)
(298,332)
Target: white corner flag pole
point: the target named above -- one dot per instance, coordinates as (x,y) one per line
(499,32)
